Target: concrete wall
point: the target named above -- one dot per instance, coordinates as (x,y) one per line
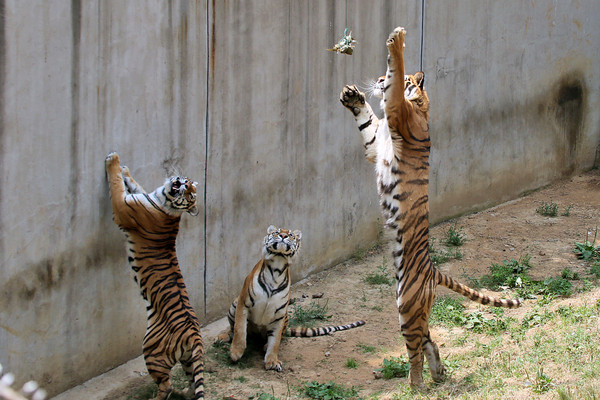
(242,97)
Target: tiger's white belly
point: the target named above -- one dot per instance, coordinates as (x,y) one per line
(263,312)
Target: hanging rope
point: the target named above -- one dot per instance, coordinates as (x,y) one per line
(346,44)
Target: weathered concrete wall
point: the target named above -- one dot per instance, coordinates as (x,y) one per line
(242,97)
(514,92)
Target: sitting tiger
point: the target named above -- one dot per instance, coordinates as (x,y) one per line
(399,146)
(151,222)
(262,306)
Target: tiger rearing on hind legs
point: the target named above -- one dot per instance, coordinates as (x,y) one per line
(399,146)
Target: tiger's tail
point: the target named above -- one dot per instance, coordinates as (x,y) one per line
(198,370)
(324,330)
(474,295)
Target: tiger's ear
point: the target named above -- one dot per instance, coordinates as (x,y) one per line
(271,229)
(298,234)
(420,78)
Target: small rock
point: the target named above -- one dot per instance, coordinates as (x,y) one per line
(327,354)
(318,295)
(542,253)
(377,374)
(304,295)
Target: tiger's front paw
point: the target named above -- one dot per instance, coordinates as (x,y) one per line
(236,352)
(396,38)
(112,163)
(352,99)
(274,365)
(112,159)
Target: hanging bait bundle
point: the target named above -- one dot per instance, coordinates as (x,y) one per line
(345,45)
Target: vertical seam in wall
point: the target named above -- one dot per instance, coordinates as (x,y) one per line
(2,105)
(75,67)
(422,34)
(206,126)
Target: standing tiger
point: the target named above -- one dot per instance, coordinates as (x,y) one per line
(151,222)
(262,306)
(399,147)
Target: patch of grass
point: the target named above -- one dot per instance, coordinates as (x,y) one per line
(220,352)
(568,273)
(441,256)
(595,269)
(351,363)
(511,273)
(536,318)
(558,287)
(263,396)
(306,316)
(379,278)
(567,211)
(547,209)
(365,348)
(145,392)
(542,382)
(455,236)
(394,367)
(328,391)
(448,311)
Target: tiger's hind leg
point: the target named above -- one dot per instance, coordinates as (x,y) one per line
(194,370)
(159,368)
(438,371)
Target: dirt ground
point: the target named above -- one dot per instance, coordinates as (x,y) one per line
(505,232)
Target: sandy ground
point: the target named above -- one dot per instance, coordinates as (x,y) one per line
(505,232)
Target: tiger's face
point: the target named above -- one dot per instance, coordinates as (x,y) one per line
(181,194)
(413,86)
(282,242)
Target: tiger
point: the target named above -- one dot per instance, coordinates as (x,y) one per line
(399,146)
(262,305)
(150,222)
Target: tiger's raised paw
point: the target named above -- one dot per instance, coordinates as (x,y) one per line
(395,41)
(112,158)
(352,99)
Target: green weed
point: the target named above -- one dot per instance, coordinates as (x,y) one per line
(595,269)
(542,382)
(548,209)
(263,396)
(586,250)
(558,287)
(328,391)
(567,211)
(379,278)
(568,273)
(394,367)
(441,256)
(351,363)
(536,318)
(448,311)
(455,236)
(511,273)
(365,348)
(306,316)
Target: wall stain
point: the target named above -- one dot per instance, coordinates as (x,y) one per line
(569,115)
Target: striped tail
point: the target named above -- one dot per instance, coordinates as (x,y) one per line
(324,330)
(472,294)
(198,370)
